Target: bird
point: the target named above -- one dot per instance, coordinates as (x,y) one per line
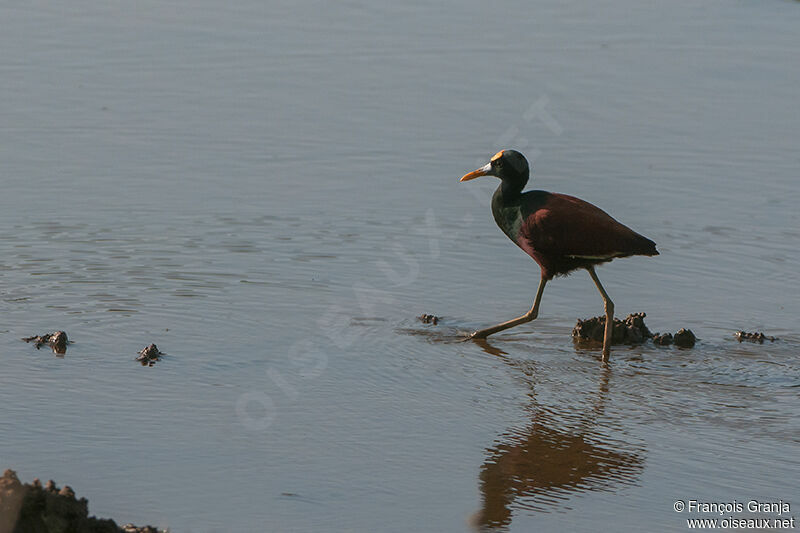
(560,232)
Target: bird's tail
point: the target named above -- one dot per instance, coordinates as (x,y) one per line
(646,247)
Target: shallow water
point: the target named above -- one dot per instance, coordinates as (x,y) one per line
(271,195)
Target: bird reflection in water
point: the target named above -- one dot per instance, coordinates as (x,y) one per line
(539,466)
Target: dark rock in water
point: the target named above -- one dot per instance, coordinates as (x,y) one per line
(148,356)
(684,338)
(428,319)
(29,508)
(757,336)
(57,341)
(662,339)
(631,330)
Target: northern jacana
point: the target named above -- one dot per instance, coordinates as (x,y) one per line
(560,232)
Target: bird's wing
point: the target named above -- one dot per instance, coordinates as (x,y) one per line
(562,225)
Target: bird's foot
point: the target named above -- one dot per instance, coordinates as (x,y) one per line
(472,336)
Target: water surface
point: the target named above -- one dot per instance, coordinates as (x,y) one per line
(270,194)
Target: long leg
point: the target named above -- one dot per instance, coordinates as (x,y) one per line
(609,314)
(527,317)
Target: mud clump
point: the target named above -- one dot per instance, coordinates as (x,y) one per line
(149,355)
(664,339)
(428,319)
(33,508)
(757,336)
(684,338)
(631,330)
(57,341)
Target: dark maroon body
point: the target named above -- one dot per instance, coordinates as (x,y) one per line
(563,233)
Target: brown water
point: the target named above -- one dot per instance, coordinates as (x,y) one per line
(270,194)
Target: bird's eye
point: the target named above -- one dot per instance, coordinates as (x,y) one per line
(499,163)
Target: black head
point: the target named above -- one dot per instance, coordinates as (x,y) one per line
(508,165)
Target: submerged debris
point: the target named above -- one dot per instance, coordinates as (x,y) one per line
(428,319)
(631,330)
(57,341)
(31,507)
(148,356)
(684,338)
(130,528)
(757,336)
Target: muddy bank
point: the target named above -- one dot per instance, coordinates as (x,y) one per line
(37,508)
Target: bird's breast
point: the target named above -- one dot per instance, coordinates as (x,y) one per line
(508,217)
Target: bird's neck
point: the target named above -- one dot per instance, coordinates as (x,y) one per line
(511,189)
(506,209)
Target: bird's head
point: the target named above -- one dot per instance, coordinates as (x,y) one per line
(508,165)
